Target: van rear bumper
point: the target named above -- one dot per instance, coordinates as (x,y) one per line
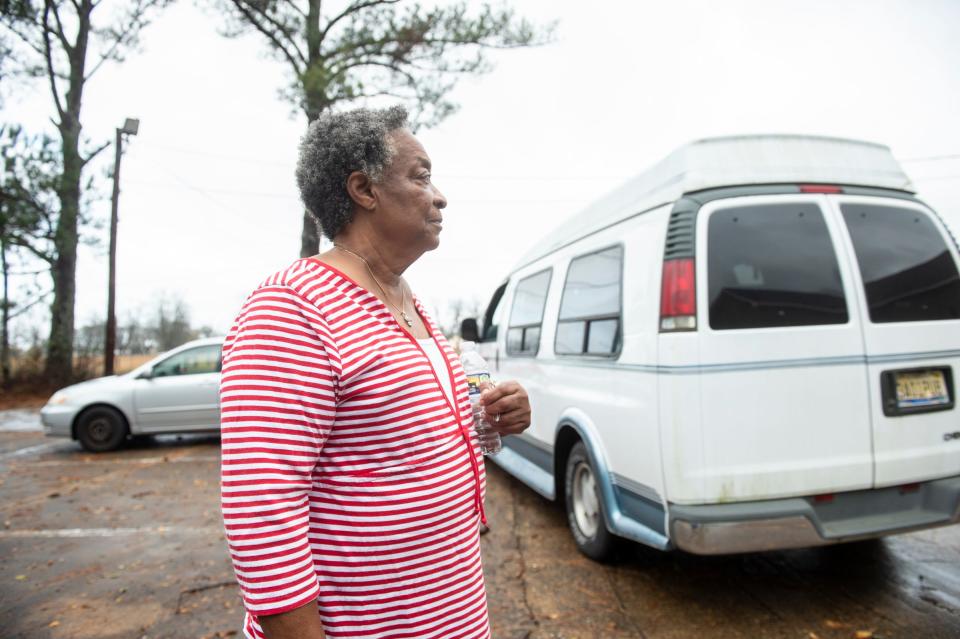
(799,522)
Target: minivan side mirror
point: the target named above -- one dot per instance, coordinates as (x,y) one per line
(469,330)
(147,374)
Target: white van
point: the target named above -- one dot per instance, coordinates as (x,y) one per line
(751,346)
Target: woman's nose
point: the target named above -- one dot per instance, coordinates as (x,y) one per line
(439,200)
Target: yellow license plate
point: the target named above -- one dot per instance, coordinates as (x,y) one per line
(921,388)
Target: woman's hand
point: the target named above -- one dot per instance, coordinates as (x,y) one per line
(507,407)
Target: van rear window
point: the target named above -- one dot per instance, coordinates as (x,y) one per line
(908,271)
(772,265)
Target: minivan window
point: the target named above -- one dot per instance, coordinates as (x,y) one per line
(526,315)
(772,265)
(908,271)
(589,319)
(203,359)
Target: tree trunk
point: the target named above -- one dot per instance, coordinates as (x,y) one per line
(59,365)
(5,338)
(314,103)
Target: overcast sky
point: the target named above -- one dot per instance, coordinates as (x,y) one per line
(209,205)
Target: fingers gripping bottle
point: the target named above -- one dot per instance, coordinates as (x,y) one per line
(478,372)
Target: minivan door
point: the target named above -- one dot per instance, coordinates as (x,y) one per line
(783,388)
(910,296)
(182,392)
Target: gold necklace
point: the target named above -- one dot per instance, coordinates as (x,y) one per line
(403,290)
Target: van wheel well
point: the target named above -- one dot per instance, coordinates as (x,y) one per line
(87,409)
(567,438)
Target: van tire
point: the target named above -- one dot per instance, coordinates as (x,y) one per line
(586,512)
(100,429)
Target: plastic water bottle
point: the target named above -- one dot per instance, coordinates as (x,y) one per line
(478,372)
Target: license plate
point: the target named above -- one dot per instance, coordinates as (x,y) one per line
(921,388)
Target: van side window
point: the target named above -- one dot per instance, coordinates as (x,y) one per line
(526,316)
(908,272)
(772,265)
(589,320)
(493,316)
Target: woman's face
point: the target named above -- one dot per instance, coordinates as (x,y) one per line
(408,204)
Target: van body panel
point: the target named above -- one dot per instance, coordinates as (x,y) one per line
(908,448)
(681,418)
(786,409)
(799,522)
(619,392)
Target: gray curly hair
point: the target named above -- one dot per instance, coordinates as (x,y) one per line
(334,146)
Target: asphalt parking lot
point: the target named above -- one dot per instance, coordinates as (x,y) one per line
(128,544)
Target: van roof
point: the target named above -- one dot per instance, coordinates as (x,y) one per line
(738,160)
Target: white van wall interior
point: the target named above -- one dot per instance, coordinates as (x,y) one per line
(777,370)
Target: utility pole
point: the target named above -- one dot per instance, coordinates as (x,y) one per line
(130,127)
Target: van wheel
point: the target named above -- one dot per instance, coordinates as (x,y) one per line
(101,429)
(585,509)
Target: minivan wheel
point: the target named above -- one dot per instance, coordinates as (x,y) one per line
(101,429)
(585,509)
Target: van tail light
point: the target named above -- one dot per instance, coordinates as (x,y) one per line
(678,296)
(820,188)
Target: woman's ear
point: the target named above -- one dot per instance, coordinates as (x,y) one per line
(360,190)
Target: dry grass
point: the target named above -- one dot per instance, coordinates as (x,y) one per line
(19,396)
(32,391)
(126,363)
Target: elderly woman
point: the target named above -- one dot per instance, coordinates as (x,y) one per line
(352,478)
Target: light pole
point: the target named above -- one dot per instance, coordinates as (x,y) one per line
(130,127)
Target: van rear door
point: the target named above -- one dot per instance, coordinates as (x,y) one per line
(783,386)
(910,301)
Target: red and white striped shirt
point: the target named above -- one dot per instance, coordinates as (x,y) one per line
(347,474)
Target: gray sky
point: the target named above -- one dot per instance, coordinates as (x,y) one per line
(209,206)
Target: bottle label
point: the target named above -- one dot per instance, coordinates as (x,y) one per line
(474,380)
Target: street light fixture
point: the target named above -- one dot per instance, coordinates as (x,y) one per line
(130,127)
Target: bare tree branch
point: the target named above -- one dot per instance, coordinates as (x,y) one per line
(24,243)
(94,153)
(48,57)
(296,59)
(23,309)
(350,10)
(24,38)
(26,273)
(292,5)
(59,31)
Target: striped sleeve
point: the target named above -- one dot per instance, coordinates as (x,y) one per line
(278,402)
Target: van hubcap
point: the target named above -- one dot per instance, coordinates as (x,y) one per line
(586,506)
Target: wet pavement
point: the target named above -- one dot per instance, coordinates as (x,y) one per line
(129,544)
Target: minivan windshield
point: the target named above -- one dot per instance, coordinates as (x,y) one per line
(907,269)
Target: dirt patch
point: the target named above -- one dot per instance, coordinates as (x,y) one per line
(82,618)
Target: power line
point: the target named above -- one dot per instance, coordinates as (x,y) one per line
(290,196)
(952,176)
(932,158)
(221,156)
